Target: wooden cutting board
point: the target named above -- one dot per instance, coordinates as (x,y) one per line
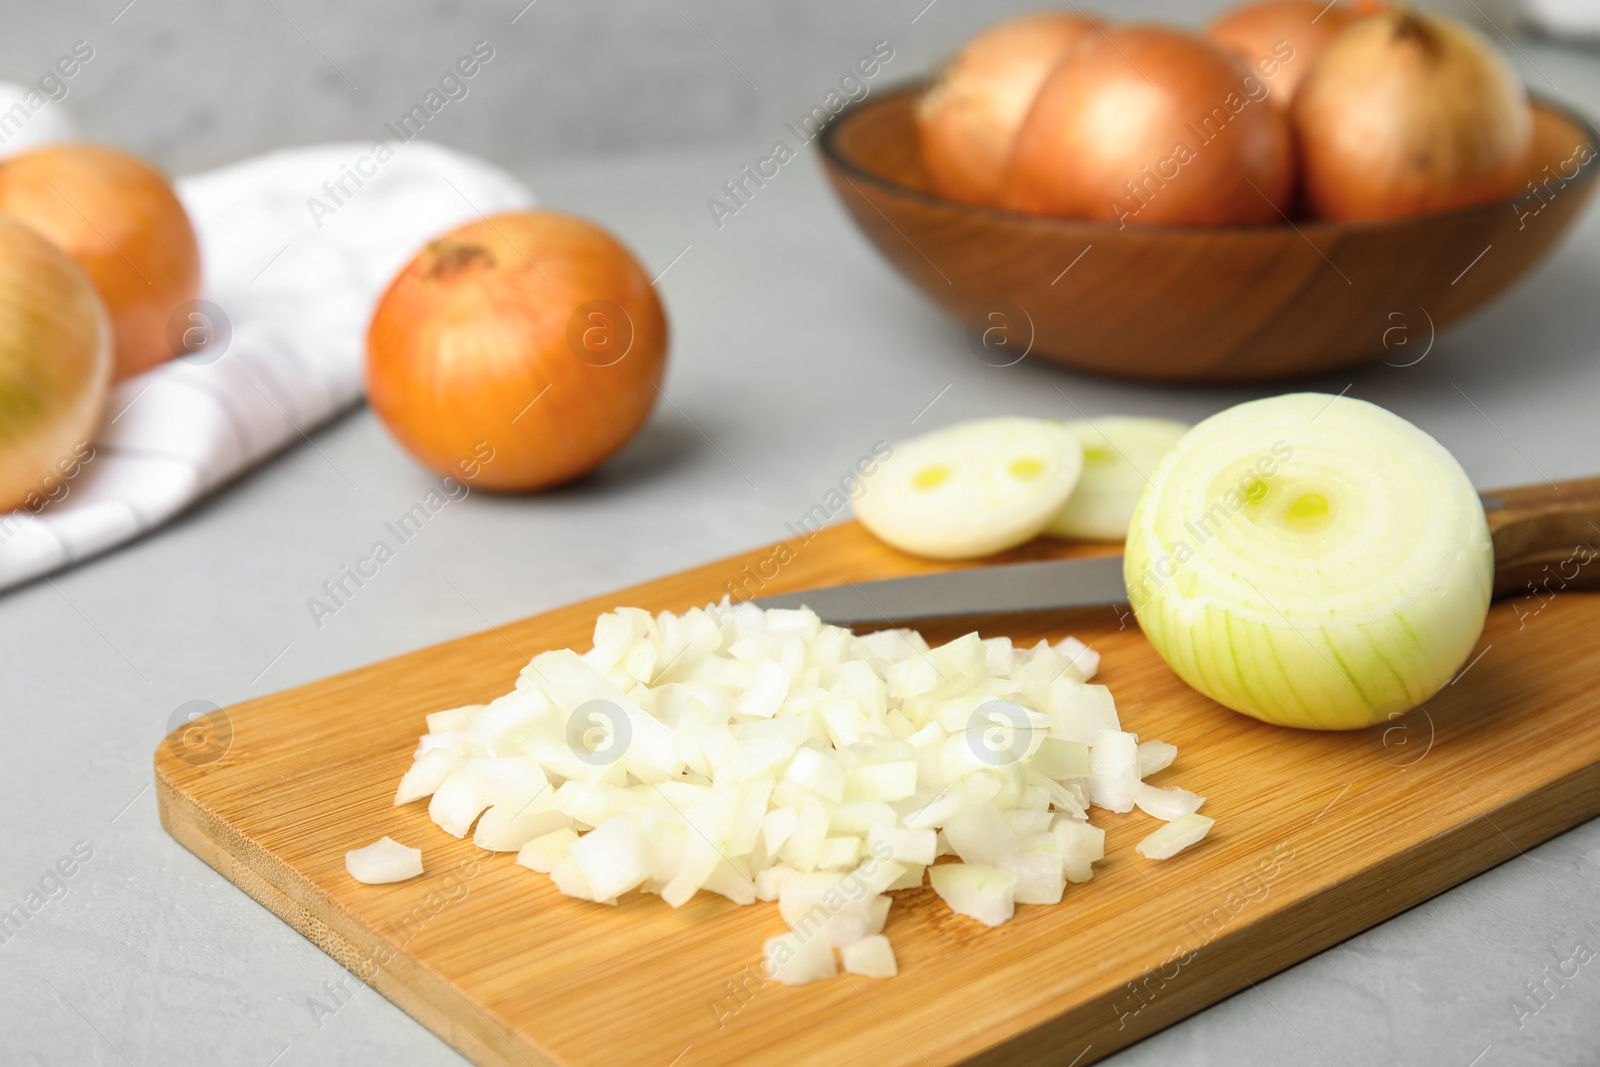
(1318,837)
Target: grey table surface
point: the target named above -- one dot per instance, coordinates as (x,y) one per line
(794,348)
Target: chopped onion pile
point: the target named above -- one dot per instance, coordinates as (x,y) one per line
(762,755)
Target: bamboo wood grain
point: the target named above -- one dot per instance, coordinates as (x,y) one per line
(1318,837)
(1201,303)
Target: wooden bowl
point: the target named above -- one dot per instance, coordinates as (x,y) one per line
(1199,303)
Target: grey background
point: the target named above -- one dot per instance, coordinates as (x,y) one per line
(195,83)
(794,349)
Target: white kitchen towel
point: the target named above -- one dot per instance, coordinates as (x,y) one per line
(295,253)
(1565,18)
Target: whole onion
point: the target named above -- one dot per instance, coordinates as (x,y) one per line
(55,363)
(1153,125)
(1280,39)
(1407,113)
(526,347)
(119,218)
(968,119)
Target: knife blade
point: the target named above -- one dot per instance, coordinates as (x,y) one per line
(1524,519)
(1049,585)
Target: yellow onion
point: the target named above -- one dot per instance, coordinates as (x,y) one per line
(967,121)
(1280,39)
(1407,113)
(119,218)
(526,348)
(1146,124)
(55,364)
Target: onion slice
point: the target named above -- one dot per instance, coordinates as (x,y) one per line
(972,489)
(1120,452)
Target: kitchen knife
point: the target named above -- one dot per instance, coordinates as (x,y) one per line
(1052,584)
(1546,539)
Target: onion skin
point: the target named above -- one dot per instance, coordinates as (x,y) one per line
(122,222)
(1281,39)
(1153,125)
(55,363)
(1335,617)
(1406,114)
(967,121)
(470,347)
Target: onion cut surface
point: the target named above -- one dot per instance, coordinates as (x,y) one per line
(972,489)
(871,957)
(1312,561)
(1120,452)
(383,861)
(1175,836)
(766,756)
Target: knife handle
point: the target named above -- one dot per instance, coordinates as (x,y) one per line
(1546,537)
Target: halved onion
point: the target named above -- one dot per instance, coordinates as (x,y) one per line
(1120,452)
(972,489)
(1312,561)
